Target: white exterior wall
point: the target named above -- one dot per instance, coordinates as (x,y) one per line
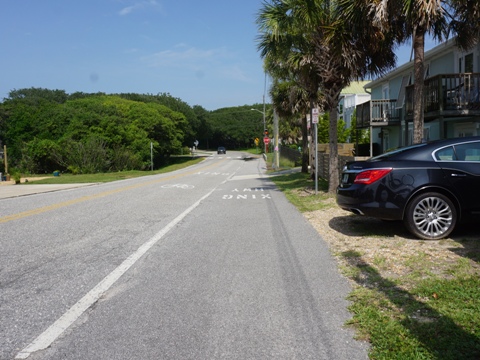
(443,59)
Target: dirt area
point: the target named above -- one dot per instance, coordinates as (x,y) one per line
(23,180)
(389,248)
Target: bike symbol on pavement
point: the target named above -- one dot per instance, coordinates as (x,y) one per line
(178,186)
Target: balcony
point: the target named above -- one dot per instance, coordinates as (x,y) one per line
(378,113)
(448,95)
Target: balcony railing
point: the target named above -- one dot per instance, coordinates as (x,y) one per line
(377,113)
(447,94)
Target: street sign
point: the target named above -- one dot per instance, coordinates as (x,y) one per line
(315,116)
(266,140)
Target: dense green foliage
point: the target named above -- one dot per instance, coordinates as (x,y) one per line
(86,133)
(237,127)
(323,124)
(47,130)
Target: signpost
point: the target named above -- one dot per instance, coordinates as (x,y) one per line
(315,115)
(315,131)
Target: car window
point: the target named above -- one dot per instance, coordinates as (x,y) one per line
(391,153)
(468,152)
(445,154)
(461,152)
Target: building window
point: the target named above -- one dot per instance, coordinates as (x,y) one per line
(406,80)
(427,71)
(469,63)
(466,129)
(466,63)
(385,92)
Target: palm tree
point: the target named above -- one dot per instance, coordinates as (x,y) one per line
(315,35)
(412,20)
(465,22)
(288,57)
(293,103)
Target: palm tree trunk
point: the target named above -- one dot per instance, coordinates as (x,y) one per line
(333,173)
(419,49)
(305,151)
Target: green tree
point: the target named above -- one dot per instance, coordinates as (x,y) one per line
(191,126)
(288,56)
(88,156)
(38,156)
(29,114)
(358,136)
(128,124)
(324,126)
(291,104)
(35,94)
(40,127)
(236,127)
(204,130)
(314,31)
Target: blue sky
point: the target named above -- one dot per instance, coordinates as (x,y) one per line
(203,52)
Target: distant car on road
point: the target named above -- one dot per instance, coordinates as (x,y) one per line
(221,150)
(430,186)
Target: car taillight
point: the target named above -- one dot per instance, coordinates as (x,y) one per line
(370,176)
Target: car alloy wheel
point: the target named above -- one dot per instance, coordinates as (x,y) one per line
(431,216)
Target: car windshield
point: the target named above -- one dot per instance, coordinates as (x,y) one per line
(396,152)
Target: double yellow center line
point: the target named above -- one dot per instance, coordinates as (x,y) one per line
(44,209)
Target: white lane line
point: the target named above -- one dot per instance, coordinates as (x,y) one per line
(45,339)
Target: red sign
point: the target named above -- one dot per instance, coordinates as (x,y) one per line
(266,140)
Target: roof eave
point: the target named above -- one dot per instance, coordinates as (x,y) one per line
(443,47)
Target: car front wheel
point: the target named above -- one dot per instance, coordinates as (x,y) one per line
(430,216)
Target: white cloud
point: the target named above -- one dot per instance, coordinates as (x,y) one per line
(127,10)
(138,6)
(185,56)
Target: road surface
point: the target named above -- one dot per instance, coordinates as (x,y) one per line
(209,262)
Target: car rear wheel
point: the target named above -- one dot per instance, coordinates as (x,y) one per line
(431,216)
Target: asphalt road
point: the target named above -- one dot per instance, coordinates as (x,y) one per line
(210,262)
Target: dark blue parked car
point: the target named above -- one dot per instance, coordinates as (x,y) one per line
(431,186)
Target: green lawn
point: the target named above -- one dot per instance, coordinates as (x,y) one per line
(175,164)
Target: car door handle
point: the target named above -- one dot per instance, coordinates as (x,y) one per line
(458,175)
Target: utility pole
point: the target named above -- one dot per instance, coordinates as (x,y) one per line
(264,125)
